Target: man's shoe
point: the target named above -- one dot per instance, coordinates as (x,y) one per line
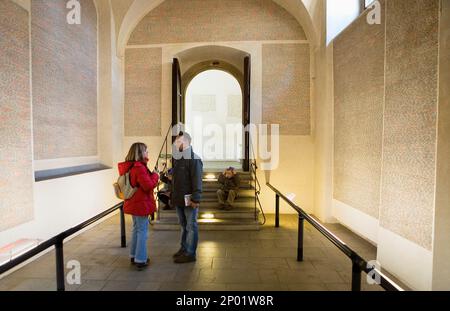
(133,262)
(178,254)
(142,265)
(228,207)
(221,206)
(185,259)
(166,208)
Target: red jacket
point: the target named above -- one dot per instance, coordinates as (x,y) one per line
(143,201)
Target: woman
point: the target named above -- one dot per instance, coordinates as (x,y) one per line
(142,203)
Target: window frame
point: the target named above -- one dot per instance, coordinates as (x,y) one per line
(364,6)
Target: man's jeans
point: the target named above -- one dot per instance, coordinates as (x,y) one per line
(189,229)
(138,249)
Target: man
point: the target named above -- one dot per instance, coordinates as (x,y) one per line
(228,192)
(186,195)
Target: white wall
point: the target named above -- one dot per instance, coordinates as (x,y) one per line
(414,268)
(294,175)
(63,203)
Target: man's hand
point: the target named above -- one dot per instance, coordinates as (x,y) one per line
(195,205)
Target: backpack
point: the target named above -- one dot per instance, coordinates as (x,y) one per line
(123,188)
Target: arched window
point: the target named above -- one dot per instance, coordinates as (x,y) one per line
(341,13)
(368,3)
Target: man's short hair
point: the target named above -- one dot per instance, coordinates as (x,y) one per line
(185,136)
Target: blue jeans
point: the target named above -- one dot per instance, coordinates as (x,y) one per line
(189,229)
(138,249)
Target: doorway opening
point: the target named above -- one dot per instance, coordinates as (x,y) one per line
(214,116)
(217,81)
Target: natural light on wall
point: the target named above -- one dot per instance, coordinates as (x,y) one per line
(340,14)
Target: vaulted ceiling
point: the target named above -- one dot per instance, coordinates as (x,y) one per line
(128,13)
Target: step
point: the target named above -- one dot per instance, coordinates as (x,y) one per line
(215,213)
(210,225)
(240,199)
(243,191)
(206,195)
(210,186)
(240,202)
(237,204)
(209,182)
(221,165)
(215,179)
(215,175)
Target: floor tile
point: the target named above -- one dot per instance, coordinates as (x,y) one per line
(263,261)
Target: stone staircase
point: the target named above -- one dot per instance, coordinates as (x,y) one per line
(242,218)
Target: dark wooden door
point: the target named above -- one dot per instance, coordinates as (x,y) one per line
(246,112)
(177,96)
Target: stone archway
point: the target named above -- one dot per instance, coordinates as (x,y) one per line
(212,64)
(201,58)
(196,60)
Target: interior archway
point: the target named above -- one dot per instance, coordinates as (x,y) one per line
(213,108)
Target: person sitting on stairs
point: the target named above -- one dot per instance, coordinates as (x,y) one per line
(230,182)
(165,194)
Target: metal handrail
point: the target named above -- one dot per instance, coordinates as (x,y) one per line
(254,168)
(58,242)
(165,144)
(359,264)
(258,188)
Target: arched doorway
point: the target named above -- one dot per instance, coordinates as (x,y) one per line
(213,114)
(234,146)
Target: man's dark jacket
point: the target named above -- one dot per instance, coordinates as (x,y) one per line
(228,184)
(187,177)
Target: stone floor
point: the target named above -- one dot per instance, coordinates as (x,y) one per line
(227,261)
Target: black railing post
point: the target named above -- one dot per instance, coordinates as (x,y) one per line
(60,279)
(301,232)
(123,237)
(256,194)
(277,211)
(253,170)
(356,276)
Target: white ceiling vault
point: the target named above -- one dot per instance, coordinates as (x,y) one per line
(128,13)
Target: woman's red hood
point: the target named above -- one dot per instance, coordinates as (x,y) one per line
(125,167)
